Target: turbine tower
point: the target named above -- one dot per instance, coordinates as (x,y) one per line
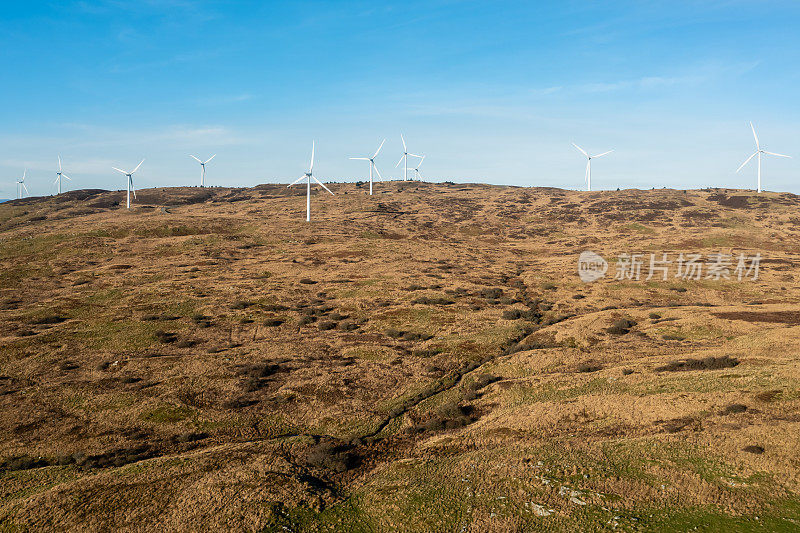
(308,177)
(60,174)
(417,175)
(21,185)
(758,153)
(372,165)
(203,168)
(589,158)
(404,159)
(130,181)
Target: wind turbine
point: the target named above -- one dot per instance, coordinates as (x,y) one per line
(589,164)
(416,169)
(130,181)
(372,165)
(308,177)
(203,167)
(21,185)
(404,158)
(60,175)
(758,153)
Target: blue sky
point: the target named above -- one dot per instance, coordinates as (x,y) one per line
(489,91)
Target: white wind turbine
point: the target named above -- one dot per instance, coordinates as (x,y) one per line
(60,174)
(758,153)
(203,168)
(589,158)
(372,165)
(308,177)
(21,185)
(130,180)
(416,169)
(404,159)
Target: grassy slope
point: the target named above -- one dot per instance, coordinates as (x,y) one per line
(222,364)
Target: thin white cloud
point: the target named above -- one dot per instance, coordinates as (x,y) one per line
(224,99)
(76,166)
(648,82)
(137,142)
(546,91)
(693,76)
(177,135)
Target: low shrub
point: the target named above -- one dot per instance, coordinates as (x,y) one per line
(707,363)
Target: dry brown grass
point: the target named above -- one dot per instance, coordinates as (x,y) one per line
(425,357)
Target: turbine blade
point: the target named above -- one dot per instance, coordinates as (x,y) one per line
(137,166)
(581,149)
(361,158)
(59,163)
(375,168)
(120,170)
(604,153)
(196,159)
(415,155)
(65,176)
(401,160)
(746,161)
(298,180)
(379,149)
(210,158)
(404,143)
(26,189)
(322,185)
(311,167)
(133,188)
(754,135)
(56,180)
(779,155)
(420,162)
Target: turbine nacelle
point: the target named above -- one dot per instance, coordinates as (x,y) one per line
(308,176)
(758,153)
(129,175)
(416,169)
(372,165)
(60,174)
(588,175)
(405,156)
(22,189)
(202,167)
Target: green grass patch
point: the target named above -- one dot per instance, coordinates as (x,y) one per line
(167,414)
(638,228)
(776,517)
(108,232)
(370,353)
(117,335)
(560,391)
(20,484)
(347,515)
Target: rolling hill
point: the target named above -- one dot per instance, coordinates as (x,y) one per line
(426,358)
